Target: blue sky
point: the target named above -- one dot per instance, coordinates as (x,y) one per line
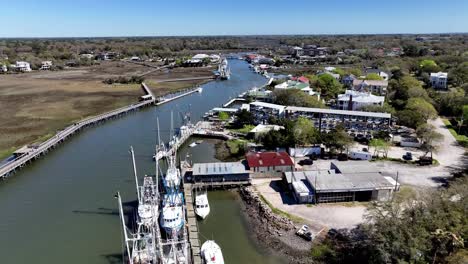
(81,18)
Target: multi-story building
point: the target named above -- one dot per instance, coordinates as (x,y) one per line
(23,66)
(439,80)
(354,100)
(263,111)
(372,86)
(355,122)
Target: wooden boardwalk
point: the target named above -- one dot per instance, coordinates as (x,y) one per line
(192,224)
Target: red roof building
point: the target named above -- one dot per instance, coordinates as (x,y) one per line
(269,161)
(301,79)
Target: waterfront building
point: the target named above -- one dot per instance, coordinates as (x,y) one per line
(23,66)
(220,171)
(343,182)
(269,161)
(439,80)
(373,86)
(355,122)
(354,100)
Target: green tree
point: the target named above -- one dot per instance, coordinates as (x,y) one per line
(429,66)
(386,108)
(243,118)
(337,139)
(305,132)
(328,85)
(223,116)
(421,106)
(295,97)
(373,76)
(429,137)
(380,146)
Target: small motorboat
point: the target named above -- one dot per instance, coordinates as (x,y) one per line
(211,253)
(193,144)
(202,207)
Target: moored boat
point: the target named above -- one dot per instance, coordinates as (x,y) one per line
(211,253)
(202,207)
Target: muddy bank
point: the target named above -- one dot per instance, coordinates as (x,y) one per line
(272,231)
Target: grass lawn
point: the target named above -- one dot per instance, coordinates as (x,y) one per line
(462,139)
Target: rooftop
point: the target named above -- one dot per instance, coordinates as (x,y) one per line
(266,159)
(439,74)
(361,97)
(341,182)
(217,168)
(268,105)
(265,128)
(337,112)
(370,82)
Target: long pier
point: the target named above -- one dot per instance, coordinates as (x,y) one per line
(33,153)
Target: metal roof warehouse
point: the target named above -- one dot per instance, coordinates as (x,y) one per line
(218,171)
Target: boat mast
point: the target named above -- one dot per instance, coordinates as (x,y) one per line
(124,228)
(157,160)
(135,172)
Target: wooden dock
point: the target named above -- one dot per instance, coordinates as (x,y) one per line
(192,224)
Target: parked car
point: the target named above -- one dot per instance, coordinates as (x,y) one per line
(306,162)
(408,156)
(342,157)
(305,233)
(425,161)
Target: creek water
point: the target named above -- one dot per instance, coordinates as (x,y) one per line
(61,208)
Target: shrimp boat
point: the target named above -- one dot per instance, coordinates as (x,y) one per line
(172,213)
(177,253)
(223,70)
(202,207)
(140,246)
(148,203)
(173,178)
(211,253)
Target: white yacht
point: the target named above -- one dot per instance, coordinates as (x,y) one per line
(202,207)
(211,253)
(172,213)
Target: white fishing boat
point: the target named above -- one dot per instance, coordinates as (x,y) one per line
(200,89)
(211,253)
(172,213)
(173,177)
(202,207)
(148,202)
(193,144)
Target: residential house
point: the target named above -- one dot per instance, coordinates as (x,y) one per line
(23,66)
(46,65)
(301,79)
(269,161)
(385,76)
(299,86)
(4,68)
(439,80)
(354,100)
(374,86)
(106,56)
(348,80)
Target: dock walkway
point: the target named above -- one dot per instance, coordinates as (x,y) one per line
(192,225)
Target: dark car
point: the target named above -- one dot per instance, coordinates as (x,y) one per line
(408,156)
(342,157)
(306,162)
